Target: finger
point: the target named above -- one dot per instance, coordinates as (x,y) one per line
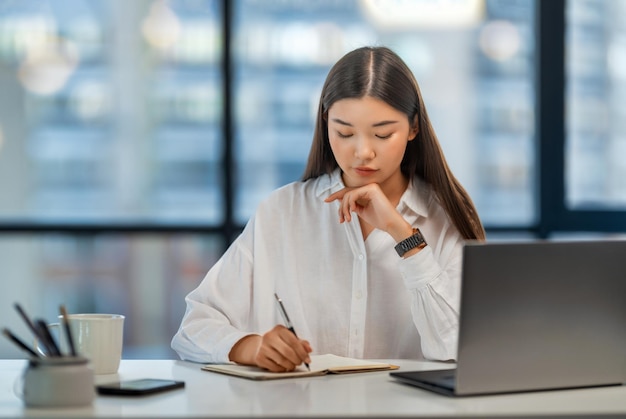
(290,347)
(284,348)
(270,365)
(268,356)
(343,210)
(336,195)
(283,363)
(345,207)
(272,360)
(281,350)
(302,349)
(350,201)
(307,350)
(340,213)
(339,195)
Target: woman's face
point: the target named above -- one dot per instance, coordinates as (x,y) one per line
(368,139)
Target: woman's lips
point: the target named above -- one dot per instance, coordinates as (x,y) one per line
(364,171)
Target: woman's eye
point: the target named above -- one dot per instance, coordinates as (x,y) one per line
(383,137)
(342,135)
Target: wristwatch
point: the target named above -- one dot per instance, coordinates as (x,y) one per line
(416,240)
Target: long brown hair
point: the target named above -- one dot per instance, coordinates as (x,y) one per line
(380,73)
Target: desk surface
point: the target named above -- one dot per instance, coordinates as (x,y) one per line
(373,394)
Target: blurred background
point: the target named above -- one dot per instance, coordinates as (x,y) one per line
(137,137)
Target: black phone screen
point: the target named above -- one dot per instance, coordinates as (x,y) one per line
(139,387)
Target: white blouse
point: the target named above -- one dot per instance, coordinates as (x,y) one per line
(346,296)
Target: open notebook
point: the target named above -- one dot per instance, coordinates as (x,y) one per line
(320,365)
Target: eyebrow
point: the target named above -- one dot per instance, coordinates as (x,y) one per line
(377,124)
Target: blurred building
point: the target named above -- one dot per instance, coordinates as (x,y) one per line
(112,112)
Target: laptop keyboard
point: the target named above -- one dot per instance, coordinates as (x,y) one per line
(446,381)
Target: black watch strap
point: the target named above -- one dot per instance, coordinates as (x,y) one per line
(413,241)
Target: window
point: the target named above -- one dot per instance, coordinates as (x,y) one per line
(596,93)
(137,138)
(111,111)
(474,61)
(110,119)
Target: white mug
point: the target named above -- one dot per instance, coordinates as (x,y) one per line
(98,337)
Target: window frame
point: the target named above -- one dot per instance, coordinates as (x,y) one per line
(552,214)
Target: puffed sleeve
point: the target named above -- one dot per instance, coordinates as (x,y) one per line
(433,278)
(218,310)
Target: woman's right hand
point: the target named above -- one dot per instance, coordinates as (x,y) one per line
(278,350)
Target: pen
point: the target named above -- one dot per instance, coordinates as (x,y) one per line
(6,332)
(68,332)
(46,338)
(32,327)
(26,319)
(287,321)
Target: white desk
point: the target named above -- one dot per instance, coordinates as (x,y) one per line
(372,394)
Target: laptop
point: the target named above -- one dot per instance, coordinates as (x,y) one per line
(540,315)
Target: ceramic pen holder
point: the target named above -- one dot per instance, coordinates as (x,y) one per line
(66,381)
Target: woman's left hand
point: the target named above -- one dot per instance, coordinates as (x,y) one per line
(373,206)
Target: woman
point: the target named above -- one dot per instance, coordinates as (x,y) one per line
(365,251)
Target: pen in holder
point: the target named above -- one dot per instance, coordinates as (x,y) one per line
(52,378)
(66,381)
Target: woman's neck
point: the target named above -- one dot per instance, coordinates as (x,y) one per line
(394,187)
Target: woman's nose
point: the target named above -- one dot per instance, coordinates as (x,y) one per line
(363,149)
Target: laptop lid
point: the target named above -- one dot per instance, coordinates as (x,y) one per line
(542,315)
(537,316)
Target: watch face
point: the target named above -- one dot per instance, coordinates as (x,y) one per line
(410,243)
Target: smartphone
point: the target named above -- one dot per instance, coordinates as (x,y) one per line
(139,387)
